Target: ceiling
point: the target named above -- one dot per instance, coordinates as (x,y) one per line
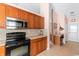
(67,8)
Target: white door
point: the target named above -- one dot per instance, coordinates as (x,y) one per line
(73,32)
(78,34)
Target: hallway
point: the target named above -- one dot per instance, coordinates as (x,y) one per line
(70,49)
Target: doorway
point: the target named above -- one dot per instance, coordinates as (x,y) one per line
(73,32)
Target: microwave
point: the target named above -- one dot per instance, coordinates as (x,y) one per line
(12,23)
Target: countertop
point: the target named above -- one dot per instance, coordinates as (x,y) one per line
(35,37)
(1,44)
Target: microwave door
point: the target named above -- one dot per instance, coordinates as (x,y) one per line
(25,24)
(11,24)
(19,24)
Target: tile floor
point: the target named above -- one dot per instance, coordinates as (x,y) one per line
(69,49)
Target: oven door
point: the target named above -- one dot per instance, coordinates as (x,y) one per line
(19,50)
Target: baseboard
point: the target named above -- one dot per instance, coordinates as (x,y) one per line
(72,41)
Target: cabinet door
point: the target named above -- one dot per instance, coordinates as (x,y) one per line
(33,48)
(41,22)
(36,22)
(45,43)
(40,46)
(22,15)
(2,16)
(30,21)
(11,12)
(56,40)
(26,16)
(2,51)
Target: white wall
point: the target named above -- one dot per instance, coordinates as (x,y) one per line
(44,10)
(59,19)
(51,18)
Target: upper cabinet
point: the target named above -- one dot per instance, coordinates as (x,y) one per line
(33,21)
(22,15)
(42,22)
(11,12)
(2,16)
(38,22)
(30,21)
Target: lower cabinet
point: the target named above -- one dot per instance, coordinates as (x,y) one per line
(2,51)
(38,45)
(56,40)
(33,48)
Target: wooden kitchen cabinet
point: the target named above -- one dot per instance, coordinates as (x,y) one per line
(22,15)
(33,21)
(56,40)
(33,48)
(44,43)
(2,16)
(2,51)
(38,45)
(36,22)
(11,11)
(30,21)
(41,22)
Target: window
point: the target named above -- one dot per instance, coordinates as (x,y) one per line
(73,28)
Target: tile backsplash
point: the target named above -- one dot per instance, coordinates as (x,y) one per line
(29,32)
(2,36)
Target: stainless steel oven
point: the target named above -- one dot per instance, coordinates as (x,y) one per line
(17,44)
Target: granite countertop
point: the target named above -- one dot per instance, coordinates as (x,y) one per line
(1,44)
(35,37)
